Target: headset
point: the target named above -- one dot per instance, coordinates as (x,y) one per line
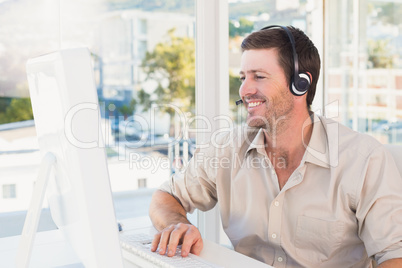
(300,82)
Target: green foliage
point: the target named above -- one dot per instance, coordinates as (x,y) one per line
(127,110)
(19,109)
(144,98)
(234,86)
(172,65)
(390,13)
(379,55)
(133,104)
(245,26)
(4,103)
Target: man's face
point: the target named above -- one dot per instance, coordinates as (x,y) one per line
(264,90)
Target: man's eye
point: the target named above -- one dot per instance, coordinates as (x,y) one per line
(242,79)
(259,77)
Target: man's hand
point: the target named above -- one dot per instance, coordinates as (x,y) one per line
(185,234)
(169,217)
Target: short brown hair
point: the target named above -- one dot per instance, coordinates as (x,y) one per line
(309,59)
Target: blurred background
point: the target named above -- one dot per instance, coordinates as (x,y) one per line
(143,56)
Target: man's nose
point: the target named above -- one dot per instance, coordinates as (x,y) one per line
(247,88)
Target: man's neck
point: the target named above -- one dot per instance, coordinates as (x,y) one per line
(286,146)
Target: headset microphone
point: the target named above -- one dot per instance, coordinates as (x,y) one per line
(238,102)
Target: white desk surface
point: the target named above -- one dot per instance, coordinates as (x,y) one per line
(51,250)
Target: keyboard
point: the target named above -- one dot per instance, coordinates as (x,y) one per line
(136,248)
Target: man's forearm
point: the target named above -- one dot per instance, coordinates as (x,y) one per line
(166,210)
(393,263)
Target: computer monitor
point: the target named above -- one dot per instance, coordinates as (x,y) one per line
(67,121)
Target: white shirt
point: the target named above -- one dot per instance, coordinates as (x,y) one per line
(340,206)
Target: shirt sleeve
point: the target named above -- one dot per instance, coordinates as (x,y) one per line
(195,187)
(379,207)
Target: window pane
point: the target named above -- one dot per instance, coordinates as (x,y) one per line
(142,183)
(248,16)
(146,57)
(364,66)
(37,33)
(9,191)
(119,35)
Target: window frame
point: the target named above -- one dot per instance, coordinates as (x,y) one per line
(212,75)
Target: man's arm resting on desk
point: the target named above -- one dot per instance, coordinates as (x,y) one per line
(393,263)
(169,218)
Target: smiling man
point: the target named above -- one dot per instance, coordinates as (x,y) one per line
(294,189)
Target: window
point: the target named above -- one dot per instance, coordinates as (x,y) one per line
(248,16)
(119,36)
(142,26)
(363,71)
(142,49)
(142,183)
(361,75)
(9,191)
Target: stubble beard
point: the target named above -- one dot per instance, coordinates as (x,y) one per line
(276,117)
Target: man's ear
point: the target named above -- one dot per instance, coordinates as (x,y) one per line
(311,77)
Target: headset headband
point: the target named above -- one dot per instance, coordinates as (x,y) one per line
(300,82)
(293,44)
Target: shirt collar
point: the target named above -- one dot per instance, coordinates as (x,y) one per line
(318,150)
(258,140)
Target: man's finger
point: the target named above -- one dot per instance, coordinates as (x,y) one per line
(192,242)
(163,242)
(197,247)
(155,242)
(175,236)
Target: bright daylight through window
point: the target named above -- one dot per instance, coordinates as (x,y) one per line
(364,66)
(144,59)
(143,55)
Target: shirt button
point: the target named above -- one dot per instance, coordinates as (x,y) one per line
(280,259)
(273,236)
(276,203)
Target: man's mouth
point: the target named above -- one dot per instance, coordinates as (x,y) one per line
(254,104)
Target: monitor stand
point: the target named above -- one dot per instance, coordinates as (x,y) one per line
(32,219)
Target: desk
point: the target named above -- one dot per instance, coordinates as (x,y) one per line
(51,250)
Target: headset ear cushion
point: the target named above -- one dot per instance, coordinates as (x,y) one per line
(301,85)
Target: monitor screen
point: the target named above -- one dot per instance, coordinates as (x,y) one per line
(67,120)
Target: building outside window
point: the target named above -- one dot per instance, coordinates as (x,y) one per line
(363,69)
(142,183)
(9,191)
(118,35)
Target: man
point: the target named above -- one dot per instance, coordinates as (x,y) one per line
(294,189)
